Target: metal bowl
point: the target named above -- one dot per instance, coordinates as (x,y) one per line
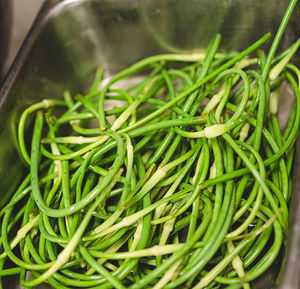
(5,29)
(70,38)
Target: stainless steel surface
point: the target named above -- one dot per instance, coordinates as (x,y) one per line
(5,28)
(23,14)
(17,17)
(71,38)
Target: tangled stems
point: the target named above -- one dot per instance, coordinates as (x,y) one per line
(88,198)
(44,104)
(187,184)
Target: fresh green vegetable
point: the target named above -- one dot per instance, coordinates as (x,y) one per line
(185,184)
